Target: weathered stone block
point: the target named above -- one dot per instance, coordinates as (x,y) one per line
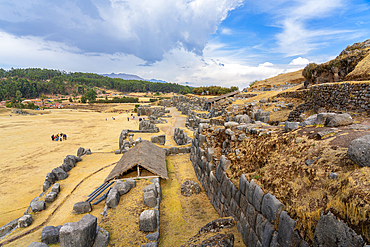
(251,215)
(148,221)
(174,150)
(267,234)
(122,187)
(50,197)
(37,244)
(150,199)
(59,173)
(46,186)
(50,234)
(79,234)
(257,198)
(271,207)
(243,184)
(102,238)
(25,221)
(287,237)
(250,192)
(37,206)
(81,208)
(113,198)
(332,232)
(55,188)
(359,151)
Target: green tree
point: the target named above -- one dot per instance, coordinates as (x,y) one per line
(83,99)
(70,99)
(18,94)
(90,94)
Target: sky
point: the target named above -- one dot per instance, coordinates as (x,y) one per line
(190,42)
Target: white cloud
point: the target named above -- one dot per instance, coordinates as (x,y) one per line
(146,28)
(299,61)
(266,64)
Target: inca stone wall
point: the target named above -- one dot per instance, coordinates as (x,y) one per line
(341,97)
(256,212)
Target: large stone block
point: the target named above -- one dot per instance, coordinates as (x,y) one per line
(122,187)
(243,184)
(59,173)
(113,198)
(260,226)
(257,198)
(148,221)
(290,126)
(160,139)
(102,238)
(25,221)
(37,206)
(50,177)
(46,185)
(55,188)
(80,151)
(332,232)
(153,188)
(359,151)
(251,215)
(267,234)
(150,199)
(339,120)
(79,234)
(50,197)
(287,237)
(81,208)
(271,207)
(50,234)
(174,150)
(250,192)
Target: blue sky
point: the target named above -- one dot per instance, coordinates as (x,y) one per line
(200,42)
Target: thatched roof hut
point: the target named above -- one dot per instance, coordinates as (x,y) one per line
(145,155)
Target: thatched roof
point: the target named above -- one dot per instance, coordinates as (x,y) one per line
(211,100)
(145,154)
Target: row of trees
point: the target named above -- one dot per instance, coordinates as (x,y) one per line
(33,82)
(214,90)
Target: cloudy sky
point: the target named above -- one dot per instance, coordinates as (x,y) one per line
(199,42)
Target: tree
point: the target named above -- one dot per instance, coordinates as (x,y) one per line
(18,94)
(70,99)
(83,99)
(43,97)
(90,94)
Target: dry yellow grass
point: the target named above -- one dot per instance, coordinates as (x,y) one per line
(361,71)
(292,77)
(182,217)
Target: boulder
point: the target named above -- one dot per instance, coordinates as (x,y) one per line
(332,232)
(80,151)
(81,208)
(25,221)
(309,121)
(50,197)
(37,244)
(359,151)
(113,198)
(290,126)
(160,139)
(37,206)
(70,160)
(66,167)
(150,199)
(321,118)
(55,188)
(79,234)
(122,187)
(339,120)
(230,124)
(188,188)
(50,177)
(59,173)
(132,182)
(151,187)
(242,119)
(87,151)
(50,234)
(102,238)
(148,221)
(122,137)
(45,186)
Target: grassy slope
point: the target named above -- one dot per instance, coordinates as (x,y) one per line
(292,77)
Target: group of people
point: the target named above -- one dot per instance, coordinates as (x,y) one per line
(59,137)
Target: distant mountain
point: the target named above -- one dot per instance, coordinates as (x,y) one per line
(124,76)
(155,80)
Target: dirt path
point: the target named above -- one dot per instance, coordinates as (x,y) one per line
(182,217)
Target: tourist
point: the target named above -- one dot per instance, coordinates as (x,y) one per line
(128,118)
(52,137)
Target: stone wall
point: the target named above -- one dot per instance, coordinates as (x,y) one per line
(340,97)
(255,212)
